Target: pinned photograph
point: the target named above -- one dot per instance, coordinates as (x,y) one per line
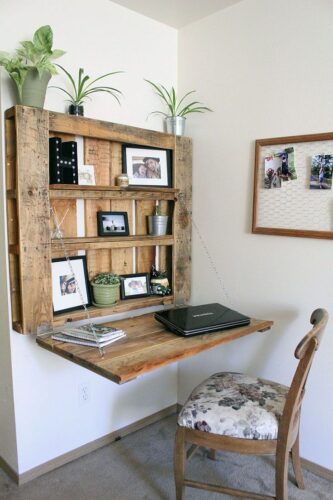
(272,172)
(112,224)
(321,172)
(70,285)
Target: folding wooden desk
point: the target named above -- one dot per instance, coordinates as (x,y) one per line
(148,345)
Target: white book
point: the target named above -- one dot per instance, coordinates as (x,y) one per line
(65,338)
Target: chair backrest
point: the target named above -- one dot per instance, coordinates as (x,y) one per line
(289,423)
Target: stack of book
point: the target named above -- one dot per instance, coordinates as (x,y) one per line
(90,335)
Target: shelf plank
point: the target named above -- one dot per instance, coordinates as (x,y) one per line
(148,345)
(121,306)
(98,243)
(67,191)
(98,129)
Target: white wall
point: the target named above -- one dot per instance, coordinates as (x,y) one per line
(50,420)
(265,68)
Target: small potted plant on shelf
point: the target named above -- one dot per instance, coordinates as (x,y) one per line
(83,89)
(158,223)
(159,282)
(177,110)
(105,289)
(31,67)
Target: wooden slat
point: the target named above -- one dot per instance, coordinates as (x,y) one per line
(10,154)
(33,212)
(97,129)
(107,193)
(102,243)
(183,221)
(121,306)
(145,257)
(116,161)
(147,346)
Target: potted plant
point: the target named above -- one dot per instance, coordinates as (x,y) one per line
(83,89)
(157,223)
(31,67)
(105,289)
(177,109)
(159,282)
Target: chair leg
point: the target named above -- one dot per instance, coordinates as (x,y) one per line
(297,464)
(179,463)
(281,474)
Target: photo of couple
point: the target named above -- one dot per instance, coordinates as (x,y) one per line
(146,167)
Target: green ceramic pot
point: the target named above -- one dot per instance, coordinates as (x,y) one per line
(105,295)
(34,88)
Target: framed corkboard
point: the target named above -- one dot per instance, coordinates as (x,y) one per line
(302,203)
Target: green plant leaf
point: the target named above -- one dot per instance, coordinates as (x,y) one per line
(43,38)
(182,100)
(103,76)
(57,53)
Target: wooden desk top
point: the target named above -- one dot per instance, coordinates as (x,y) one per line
(148,345)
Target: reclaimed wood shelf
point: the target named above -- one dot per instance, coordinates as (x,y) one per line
(148,345)
(30,225)
(120,306)
(69,191)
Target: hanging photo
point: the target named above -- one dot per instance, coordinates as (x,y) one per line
(321,172)
(70,287)
(135,285)
(147,166)
(112,224)
(272,170)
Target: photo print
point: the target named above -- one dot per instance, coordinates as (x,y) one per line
(70,284)
(272,170)
(67,284)
(147,166)
(321,172)
(112,224)
(135,285)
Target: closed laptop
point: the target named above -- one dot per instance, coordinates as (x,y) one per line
(193,320)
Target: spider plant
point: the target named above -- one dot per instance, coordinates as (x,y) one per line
(176,106)
(84,87)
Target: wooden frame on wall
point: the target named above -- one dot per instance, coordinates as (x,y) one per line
(294,209)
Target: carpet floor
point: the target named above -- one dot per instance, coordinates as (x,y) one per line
(139,467)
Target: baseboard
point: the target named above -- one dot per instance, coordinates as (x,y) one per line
(86,448)
(9,471)
(317,469)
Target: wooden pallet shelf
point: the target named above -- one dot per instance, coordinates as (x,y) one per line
(30,225)
(65,191)
(121,306)
(99,243)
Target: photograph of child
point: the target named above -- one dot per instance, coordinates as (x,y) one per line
(273,169)
(321,172)
(67,284)
(146,167)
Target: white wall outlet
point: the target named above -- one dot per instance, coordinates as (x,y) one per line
(84,393)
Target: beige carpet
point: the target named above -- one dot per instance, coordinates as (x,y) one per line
(139,467)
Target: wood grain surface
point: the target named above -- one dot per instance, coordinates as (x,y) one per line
(148,346)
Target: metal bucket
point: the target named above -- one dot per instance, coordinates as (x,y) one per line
(157,225)
(175,125)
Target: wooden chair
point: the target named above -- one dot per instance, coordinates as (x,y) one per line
(242,414)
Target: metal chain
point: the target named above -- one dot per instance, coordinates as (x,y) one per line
(59,235)
(207,252)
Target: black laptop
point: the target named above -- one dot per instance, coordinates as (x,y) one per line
(193,320)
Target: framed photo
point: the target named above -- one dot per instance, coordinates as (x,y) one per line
(147,166)
(112,224)
(86,175)
(66,286)
(133,286)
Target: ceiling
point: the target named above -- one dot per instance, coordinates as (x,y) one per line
(176,13)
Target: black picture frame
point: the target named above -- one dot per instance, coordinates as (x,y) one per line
(134,291)
(63,282)
(147,166)
(118,220)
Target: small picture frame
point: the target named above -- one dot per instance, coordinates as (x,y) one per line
(112,224)
(70,286)
(86,174)
(133,286)
(146,166)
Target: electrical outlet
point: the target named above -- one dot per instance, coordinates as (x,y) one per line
(84,394)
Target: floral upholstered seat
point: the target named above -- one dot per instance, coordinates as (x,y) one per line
(236,405)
